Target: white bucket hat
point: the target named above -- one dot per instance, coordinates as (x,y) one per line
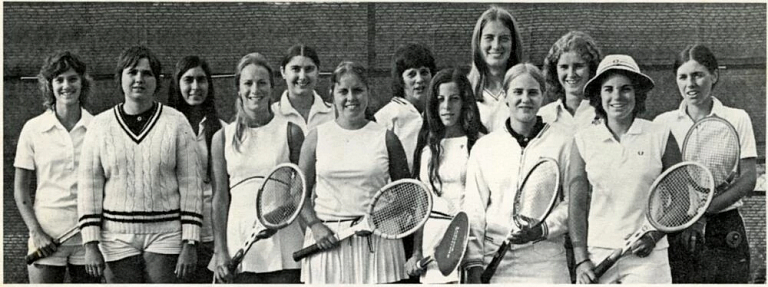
(619,63)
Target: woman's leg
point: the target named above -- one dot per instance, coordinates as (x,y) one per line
(77,274)
(126,270)
(160,267)
(39,273)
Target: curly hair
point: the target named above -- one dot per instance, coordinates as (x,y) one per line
(56,64)
(406,57)
(574,41)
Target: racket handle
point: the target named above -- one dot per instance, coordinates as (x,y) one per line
(38,254)
(235,261)
(607,263)
(304,252)
(485,278)
(423,262)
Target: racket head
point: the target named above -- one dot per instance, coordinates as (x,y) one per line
(399,208)
(537,194)
(713,142)
(680,196)
(281,196)
(450,250)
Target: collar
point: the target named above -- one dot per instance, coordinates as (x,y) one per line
(604,133)
(561,106)
(406,103)
(717,109)
(50,121)
(523,141)
(318,105)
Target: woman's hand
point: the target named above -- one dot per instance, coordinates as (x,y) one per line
(94,261)
(324,237)
(692,238)
(584,273)
(42,241)
(644,246)
(526,234)
(412,265)
(187,261)
(221,270)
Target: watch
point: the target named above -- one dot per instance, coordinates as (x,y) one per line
(190,242)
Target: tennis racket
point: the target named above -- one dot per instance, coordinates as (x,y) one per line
(713,142)
(450,251)
(397,210)
(278,202)
(38,254)
(678,198)
(534,200)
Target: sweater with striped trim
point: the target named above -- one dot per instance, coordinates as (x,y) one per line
(143,183)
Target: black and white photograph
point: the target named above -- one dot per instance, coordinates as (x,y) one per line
(377,142)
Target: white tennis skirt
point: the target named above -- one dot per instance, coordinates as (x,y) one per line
(352,261)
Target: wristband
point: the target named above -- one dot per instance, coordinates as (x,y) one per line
(581,262)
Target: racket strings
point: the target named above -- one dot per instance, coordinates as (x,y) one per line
(680,196)
(399,209)
(534,198)
(280,197)
(715,145)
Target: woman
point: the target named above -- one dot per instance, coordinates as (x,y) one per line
(140,198)
(412,69)
(244,152)
(571,62)
(496,47)
(300,104)
(725,255)
(49,149)
(192,94)
(346,161)
(613,165)
(537,254)
(452,128)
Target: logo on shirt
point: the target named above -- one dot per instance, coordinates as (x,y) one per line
(640,153)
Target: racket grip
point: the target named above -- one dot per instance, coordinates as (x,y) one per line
(423,262)
(607,263)
(304,252)
(31,258)
(485,278)
(232,265)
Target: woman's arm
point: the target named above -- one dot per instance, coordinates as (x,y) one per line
(295,140)
(323,235)
(220,206)
(741,186)
(22,195)
(577,187)
(398,165)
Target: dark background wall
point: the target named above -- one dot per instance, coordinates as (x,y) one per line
(368,33)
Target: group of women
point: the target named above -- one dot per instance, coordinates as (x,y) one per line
(165,193)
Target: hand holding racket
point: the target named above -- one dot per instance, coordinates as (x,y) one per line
(41,252)
(278,202)
(534,200)
(678,198)
(396,211)
(449,252)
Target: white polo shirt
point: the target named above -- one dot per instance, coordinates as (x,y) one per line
(206,232)
(46,147)
(403,119)
(621,174)
(679,123)
(493,111)
(319,113)
(555,112)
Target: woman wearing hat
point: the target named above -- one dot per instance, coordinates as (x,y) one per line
(612,167)
(725,258)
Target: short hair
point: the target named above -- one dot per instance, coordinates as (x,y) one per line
(479,69)
(525,69)
(56,64)
(406,57)
(130,58)
(300,50)
(573,41)
(698,53)
(595,100)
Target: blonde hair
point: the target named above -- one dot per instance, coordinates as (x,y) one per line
(240,118)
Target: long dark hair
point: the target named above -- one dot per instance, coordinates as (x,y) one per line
(433,130)
(208,107)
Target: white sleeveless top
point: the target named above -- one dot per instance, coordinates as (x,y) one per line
(351,165)
(261,150)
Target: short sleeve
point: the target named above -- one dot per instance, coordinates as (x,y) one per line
(25,149)
(746,136)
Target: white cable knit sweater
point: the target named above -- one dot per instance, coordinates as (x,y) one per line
(139,184)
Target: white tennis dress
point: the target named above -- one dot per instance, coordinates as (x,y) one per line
(453,172)
(261,150)
(351,165)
